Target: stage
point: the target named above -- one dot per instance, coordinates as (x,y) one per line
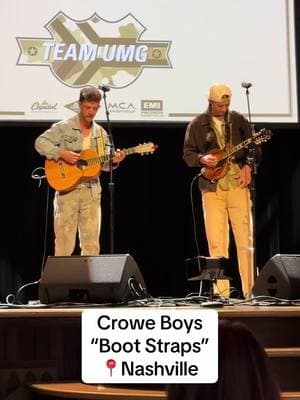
(44,344)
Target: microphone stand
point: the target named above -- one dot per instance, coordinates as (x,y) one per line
(111,184)
(251,160)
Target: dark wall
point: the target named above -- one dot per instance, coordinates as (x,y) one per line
(153,219)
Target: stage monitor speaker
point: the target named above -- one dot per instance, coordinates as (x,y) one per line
(91,279)
(280,277)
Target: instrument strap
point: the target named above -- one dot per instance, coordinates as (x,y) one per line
(100,142)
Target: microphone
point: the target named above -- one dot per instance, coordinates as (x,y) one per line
(104,88)
(246,85)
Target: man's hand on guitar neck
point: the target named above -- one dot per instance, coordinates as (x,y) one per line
(119,156)
(69,156)
(243,178)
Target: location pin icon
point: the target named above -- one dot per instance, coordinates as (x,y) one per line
(111,364)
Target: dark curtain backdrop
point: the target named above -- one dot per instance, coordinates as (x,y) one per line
(153,219)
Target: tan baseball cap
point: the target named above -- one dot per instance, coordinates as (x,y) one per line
(218,91)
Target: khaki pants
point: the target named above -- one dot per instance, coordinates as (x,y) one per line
(220,207)
(77,210)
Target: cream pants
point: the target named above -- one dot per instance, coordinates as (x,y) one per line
(220,207)
(77,210)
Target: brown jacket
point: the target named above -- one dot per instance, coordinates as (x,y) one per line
(200,138)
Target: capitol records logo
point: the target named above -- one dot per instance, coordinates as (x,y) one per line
(150,108)
(94,51)
(43,106)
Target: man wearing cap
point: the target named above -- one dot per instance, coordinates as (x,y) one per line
(225,197)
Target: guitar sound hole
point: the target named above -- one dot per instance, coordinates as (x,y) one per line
(81,163)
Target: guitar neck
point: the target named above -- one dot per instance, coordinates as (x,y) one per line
(106,157)
(229,152)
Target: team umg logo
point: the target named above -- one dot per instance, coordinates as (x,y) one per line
(94,51)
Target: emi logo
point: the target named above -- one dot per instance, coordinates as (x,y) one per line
(151,105)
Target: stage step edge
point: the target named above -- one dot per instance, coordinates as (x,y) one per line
(78,390)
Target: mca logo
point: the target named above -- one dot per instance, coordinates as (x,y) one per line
(94,51)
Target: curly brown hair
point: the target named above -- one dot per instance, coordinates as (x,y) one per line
(90,94)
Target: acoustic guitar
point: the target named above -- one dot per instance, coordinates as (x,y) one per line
(64,177)
(224,155)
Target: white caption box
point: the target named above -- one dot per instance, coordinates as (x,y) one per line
(149,346)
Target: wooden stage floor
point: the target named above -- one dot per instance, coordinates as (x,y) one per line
(44,344)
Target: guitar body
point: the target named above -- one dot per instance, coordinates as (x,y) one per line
(64,177)
(220,170)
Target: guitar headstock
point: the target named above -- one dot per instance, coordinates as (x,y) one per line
(146,148)
(262,136)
